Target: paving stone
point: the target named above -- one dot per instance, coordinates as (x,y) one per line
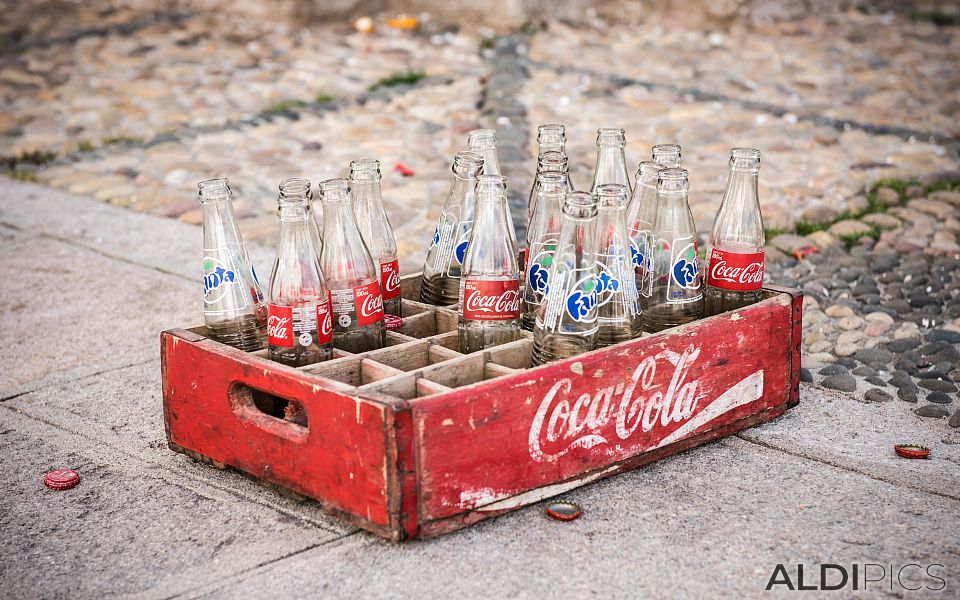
(877,395)
(843,382)
(933,411)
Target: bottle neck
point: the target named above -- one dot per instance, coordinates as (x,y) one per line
(460,188)
(741,191)
(219,223)
(611,166)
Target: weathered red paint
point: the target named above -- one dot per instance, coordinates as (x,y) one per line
(424,466)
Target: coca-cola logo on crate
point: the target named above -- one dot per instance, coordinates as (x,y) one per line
(647,403)
(735,271)
(491,300)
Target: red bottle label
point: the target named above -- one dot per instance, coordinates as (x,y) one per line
(369,303)
(733,271)
(390,279)
(280,325)
(324,322)
(486,300)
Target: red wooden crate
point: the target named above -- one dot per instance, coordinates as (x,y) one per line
(416,439)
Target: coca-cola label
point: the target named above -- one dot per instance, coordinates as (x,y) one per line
(735,271)
(324,322)
(390,279)
(280,325)
(491,300)
(369,303)
(660,402)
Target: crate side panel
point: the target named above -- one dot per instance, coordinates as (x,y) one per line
(341,459)
(485,443)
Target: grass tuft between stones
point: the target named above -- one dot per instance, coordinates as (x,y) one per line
(408,77)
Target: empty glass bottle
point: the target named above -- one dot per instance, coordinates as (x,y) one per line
(550,161)
(542,243)
(444,261)
(667,155)
(677,297)
(611,162)
(551,137)
(567,320)
(376,230)
(299,325)
(735,269)
(618,318)
(233,306)
(641,213)
(490,284)
(484,143)
(351,275)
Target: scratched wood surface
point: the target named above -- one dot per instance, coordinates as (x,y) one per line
(416,439)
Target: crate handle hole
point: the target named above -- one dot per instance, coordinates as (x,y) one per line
(244,397)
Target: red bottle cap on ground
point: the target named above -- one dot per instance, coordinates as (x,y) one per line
(912,451)
(393,322)
(563,510)
(61,479)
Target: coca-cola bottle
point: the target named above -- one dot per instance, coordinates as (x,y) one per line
(566,323)
(667,155)
(375,229)
(490,285)
(484,143)
(299,325)
(444,262)
(352,277)
(641,212)
(618,317)
(542,238)
(551,161)
(735,270)
(233,306)
(611,162)
(677,297)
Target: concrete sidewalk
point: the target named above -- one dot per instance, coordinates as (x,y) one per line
(88,288)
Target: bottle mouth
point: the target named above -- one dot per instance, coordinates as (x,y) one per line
(365,169)
(491,186)
(551,133)
(335,190)
(482,139)
(552,183)
(213,189)
(667,155)
(611,137)
(611,195)
(580,204)
(745,159)
(295,188)
(673,180)
(553,161)
(467,163)
(648,170)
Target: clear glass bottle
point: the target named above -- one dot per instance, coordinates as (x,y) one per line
(233,306)
(484,143)
(299,323)
(618,317)
(376,230)
(352,277)
(735,270)
(567,320)
(611,162)
(677,296)
(490,285)
(444,262)
(550,161)
(667,155)
(542,238)
(551,137)
(641,213)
